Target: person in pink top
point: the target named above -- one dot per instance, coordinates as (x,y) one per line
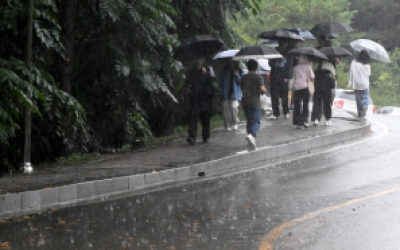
(302,75)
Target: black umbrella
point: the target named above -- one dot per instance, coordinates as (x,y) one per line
(276,34)
(331,27)
(257,52)
(305,34)
(308,51)
(197,47)
(335,51)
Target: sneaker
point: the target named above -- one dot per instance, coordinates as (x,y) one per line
(328,123)
(249,145)
(228,129)
(251,142)
(190,141)
(272,117)
(205,139)
(364,111)
(305,125)
(298,127)
(286,116)
(316,123)
(235,127)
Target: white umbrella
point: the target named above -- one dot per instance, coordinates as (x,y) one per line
(226,54)
(375,50)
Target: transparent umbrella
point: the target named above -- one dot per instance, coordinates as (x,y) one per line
(374,49)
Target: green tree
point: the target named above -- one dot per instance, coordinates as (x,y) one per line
(278,14)
(51,106)
(107,61)
(379,20)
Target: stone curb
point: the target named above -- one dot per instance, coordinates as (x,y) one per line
(39,200)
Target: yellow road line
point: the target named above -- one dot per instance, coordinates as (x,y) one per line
(268,241)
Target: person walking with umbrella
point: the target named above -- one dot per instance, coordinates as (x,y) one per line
(325,75)
(325,83)
(252,86)
(198,86)
(302,74)
(279,81)
(231,93)
(359,74)
(200,89)
(291,63)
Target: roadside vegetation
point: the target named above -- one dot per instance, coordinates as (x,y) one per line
(102,74)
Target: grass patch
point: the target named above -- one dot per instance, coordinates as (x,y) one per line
(81,158)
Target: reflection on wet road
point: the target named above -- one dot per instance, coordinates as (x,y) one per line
(231,212)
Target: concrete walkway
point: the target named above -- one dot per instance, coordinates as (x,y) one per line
(173,162)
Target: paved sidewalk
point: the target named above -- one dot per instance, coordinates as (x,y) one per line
(173,154)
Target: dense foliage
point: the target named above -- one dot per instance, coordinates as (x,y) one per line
(51,107)
(378,20)
(375,20)
(278,14)
(102,72)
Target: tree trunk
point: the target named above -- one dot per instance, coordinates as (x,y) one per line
(63,67)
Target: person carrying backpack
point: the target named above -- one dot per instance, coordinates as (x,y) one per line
(279,81)
(325,75)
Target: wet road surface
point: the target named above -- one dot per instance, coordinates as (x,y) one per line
(237,211)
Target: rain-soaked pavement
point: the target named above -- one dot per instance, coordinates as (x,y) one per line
(337,198)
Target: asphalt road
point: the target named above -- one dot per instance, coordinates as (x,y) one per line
(343,197)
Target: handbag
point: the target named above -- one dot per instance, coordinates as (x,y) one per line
(264,101)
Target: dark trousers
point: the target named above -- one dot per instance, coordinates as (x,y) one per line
(279,90)
(322,103)
(205,116)
(300,111)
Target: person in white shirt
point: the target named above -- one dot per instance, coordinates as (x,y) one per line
(359,74)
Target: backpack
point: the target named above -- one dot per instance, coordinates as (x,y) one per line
(324,79)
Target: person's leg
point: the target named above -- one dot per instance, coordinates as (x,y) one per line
(226,113)
(297,120)
(205,117)
(365,99)
(284,90)
(247,116)
(314,109)
(317,106)
(235,112)
(255,121)
(275,99)
(304,112)
(249,138)
(358,96)
(327,104)
(253,117)
(193,121)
